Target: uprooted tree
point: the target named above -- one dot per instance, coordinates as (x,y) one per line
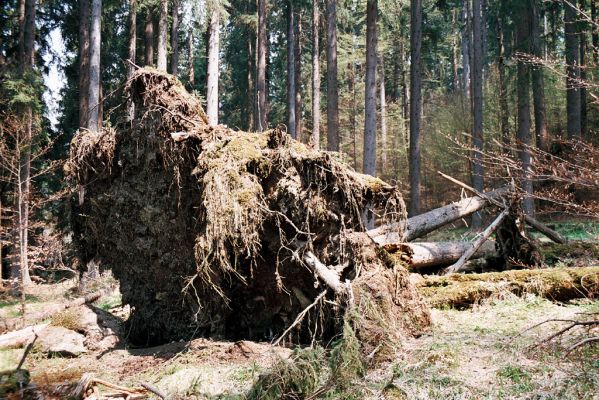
(212,231)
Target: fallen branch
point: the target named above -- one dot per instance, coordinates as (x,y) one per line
(544,229)
(559,284)
(328,276)
(20,338)
(476,244)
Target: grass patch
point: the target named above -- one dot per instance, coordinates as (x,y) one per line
(29,298)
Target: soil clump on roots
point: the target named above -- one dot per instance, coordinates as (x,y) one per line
(216,232)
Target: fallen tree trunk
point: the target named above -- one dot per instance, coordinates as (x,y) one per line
(425,255)
(430,221)
(559,284)
(30,319)
(18,339)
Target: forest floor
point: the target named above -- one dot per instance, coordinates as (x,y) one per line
(483,352)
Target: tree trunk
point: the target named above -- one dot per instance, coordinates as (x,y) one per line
(149,38)
(415,104)
(84,16)
(572,70)
(94,67)
(477,105)
(251,67)
(538,84)
(423,255)
(191,75)
(594,32)
(261,111)
(383,100)
(455,51)
(523,94)
(369,162)
(332,85)
(315,139)
(430,221)
(175,39)
(298,76)
(291,70)
(161,53)
(213,67)
(504,111)
(132,51)
(466,35)
(583,73)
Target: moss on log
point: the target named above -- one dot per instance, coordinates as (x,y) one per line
(559,284)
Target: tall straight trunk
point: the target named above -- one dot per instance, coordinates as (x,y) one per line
(504,116)
(298,76)
(594,32)
(583,73)
(523,95)
(21,21)
(161,53)
(213,67)
(466,35)
(383,101)
(149,39)
(175,38)
(477,105)
(538,83)
(315,139)
(84,20)
(94,66)
(251,67)
(455,52)
(291,71)
(405,91)
(369,162)
(332,84)
(191,75)
(132,51)
(572,70)
(261,111)
(415,104)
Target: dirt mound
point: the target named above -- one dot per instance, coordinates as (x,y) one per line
(208,229)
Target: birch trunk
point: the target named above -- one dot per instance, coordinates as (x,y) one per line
(84,17)
(213,67)
(94,66)
(332,84)
(315,139)
(161,53)
(291,71)
(175,39)
(261,110)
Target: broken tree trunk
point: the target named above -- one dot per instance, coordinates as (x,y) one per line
(29,319)
(559,284)
(422,224)
(425,255)
(20,338)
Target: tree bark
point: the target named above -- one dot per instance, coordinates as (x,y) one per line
(594,32)
(583,74)
(132,51)
(149,38)
(161,53)
(175,38)
(332,84)
(504,111)
(298,76)
(477,105)
(261,108)
(291,70)
(572,70)
(383,101)
(523,94)
(466,36)
(84,20)
(430,221)
(315,139)
(213,67)
(369,162)
(415,104)
(190,59)
(424,255)
(538,84)
(94,66)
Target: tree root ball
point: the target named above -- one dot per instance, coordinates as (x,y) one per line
(206,228)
